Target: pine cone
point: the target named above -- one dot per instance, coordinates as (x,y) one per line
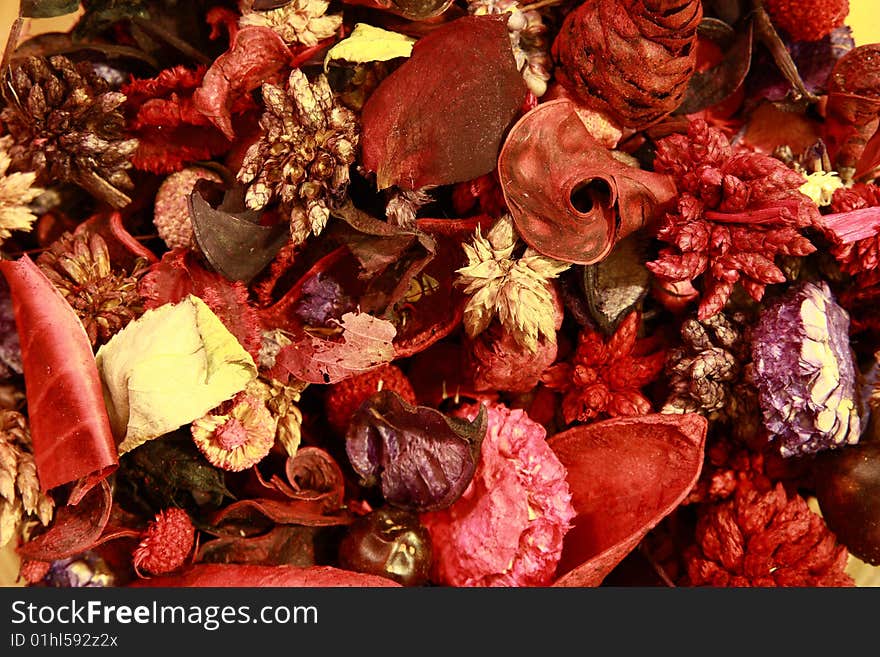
(105,300)
(68,126)
(632,59)
(304,154)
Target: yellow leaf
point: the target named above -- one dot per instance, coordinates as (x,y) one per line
(370,44)
(167,368)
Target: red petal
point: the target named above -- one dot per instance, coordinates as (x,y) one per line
(248,576)
(440,117)
(69,424)
(625,476)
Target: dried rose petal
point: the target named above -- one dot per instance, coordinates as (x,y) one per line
(507,527)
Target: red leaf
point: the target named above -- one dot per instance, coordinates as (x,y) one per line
(69,424)
(441,116)
(74,529)
(256,54)
(178,274)
(249,576)
(625,476)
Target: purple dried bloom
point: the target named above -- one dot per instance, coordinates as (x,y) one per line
(323,301)
(805,372)
(423,459)
(85,570)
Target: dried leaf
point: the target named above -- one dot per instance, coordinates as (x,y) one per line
(283,545)
(256,53)
(370,44)
(625,476)
(235,243)
(167,368)
(366,343)
(440,117)
(47,8)
(70,429)
(250,576)
(615,285)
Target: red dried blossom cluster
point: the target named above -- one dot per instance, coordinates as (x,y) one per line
(807,21)
(861,255)
(605,376)
(344,398)
(166,543)
(765,539)
(735,212)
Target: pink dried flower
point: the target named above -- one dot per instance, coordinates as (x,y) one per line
(166,543)
(507,527)
(171,210)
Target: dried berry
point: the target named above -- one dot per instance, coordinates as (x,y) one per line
(805,372)
(390,543)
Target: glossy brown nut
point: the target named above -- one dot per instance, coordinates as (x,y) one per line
(390,543)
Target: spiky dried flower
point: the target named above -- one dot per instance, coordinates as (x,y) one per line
(68,126)
(20,494)
(302,159)
(105,299)
(166,543)
(17,190)
(514,288)
(240,432)
(298,21)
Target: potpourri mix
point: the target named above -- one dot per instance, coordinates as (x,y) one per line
(440,293)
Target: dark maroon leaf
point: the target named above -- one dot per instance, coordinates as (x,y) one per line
(422,459)
(251,576)
(441,116)
(284,544)
(235,243)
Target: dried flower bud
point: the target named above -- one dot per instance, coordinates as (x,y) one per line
(166,543)
(171,212)
(297,21)
(807,21)
(239,433)
(805,372)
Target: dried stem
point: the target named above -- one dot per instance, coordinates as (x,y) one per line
(770,38)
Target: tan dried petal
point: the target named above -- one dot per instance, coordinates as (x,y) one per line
(10,517)
(17,190)
(282,403)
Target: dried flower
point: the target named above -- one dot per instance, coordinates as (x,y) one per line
(807,21)
(298,21)
(805,372)
(20,494)
(856,237)
(17,190)
(68,126)
(496,361)
(171,212)
(282,404)
(345,397)
(85,570)
(820,186)
(605,376)
(104,299)
(302,159)
(516,289)
(507,527)
(240,432)
(765,539)
(166,543)
(736,210)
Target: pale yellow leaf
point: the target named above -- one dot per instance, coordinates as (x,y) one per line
(169,367)
(370,44)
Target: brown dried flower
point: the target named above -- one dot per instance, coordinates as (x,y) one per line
(298,21)
(17,190)
(104,299)
(303,157)
(282,404)
(20,494)
(68,126)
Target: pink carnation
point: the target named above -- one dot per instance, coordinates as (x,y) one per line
(507,527)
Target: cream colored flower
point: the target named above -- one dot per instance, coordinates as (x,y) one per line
(515,289)
(16,192)
(820,186)
(299,21)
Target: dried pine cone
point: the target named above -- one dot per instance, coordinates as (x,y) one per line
(68,126)
(20,494)
(104,299)
(303,157)
(632,59)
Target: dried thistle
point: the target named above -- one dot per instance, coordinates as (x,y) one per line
(68,126)
(20,494)
(303,157)
(298,21)
(17,190)
(515,289)
(104,299)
